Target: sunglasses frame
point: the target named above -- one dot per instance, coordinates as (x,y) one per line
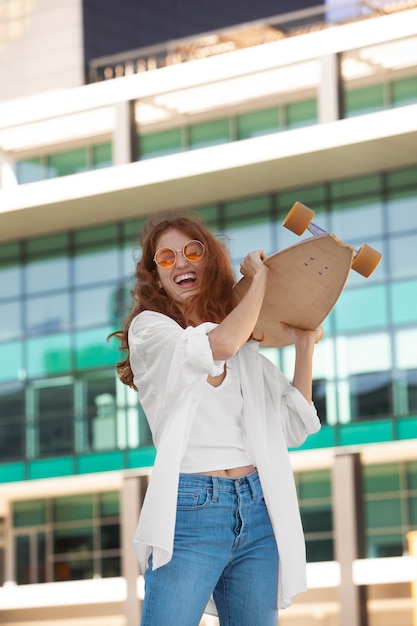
(183,253)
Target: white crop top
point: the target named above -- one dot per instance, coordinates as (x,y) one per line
(217,437)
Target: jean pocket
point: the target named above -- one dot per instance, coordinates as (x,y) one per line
(191,498)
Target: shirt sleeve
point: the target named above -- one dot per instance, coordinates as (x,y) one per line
(167,359)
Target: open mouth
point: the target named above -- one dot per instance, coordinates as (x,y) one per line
(186,280)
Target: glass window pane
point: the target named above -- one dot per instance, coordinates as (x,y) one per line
(73,569)
(48,314)
(109,504)
(357,220)
(56,419)
(23,563)
(412,506)
(98,306)
(30,170)
(371,396)
(102,411)
(65,163)
(29,513)
(10,275)
(71,508)
(411,474)
(11,323)
(314,484)
(160,144)
(257,123)
(404,302)
(41,245)
(96,265)
(92,349)
(316,518)
(48,355)
(94,235)
(46,273)
(73,539)
(383,513)
(402,215)
(319,550)
(102,155)
(406,353)
(11,362)
(301,113)
(361,308)
(12,421)
(110,537)
(381,478)
(404,91)
(110,567)
(209,133)
(364,100)
(403,256)
(386,545)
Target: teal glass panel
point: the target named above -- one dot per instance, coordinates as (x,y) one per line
(10,251)
(314,484)
(399,179)
(362,308)
(401,204)
(364,100)
(98,306)
(160,144)
(210,215)
(403,256)
(318,550)
(66,163)
(12,421)
(384,545)
(41,245)
(10,279)
(102,155)
(46,273)
(48,314)
(301,114)
(384,513)
(404,91)
(313,197)
(11,322)
(412,507)
(71,508)
(381,478)
(30,170)
(404,302)
(357,187)
(29,513)
(95,235)
(12,472)
(109,504)
(11,362)
(357,219)
(48,355)
(247,227)
(132,229)
(51,468)
(209,133)
(94,265)
(257,123)
(103,462)
(93,350)
(411,468)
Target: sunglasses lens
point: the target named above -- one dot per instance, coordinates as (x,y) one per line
(165,257)
(193,250)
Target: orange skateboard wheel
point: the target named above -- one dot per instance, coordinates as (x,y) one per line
(298,218)
(366,260)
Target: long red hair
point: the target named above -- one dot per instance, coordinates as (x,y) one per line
(214,299)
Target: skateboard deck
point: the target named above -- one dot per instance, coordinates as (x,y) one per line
(304,283)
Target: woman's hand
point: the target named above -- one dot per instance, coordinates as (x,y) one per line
(253,264)
(303,336)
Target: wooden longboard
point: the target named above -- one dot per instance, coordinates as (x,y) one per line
(304,283)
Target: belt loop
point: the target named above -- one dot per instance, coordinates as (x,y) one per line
(251,482)
(215,495)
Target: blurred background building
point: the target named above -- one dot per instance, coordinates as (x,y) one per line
(110,112)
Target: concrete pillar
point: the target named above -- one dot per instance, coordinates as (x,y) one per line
(124,134)
(330,92)
(349,536)
(131,501)
(8,177)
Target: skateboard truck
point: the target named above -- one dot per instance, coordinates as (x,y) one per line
(299,219)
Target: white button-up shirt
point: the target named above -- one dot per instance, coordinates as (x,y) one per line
(170,365)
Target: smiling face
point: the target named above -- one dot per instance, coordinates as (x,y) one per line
(181,280)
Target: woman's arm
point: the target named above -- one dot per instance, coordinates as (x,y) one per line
(304,341)
(233,332)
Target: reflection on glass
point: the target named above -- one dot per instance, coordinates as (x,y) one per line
(9,280)
(48,314)
(69,540)
(73,569)
(98,306)
(96,265)
(371,396)
(46,274)
(10,316)
(48,355)
(403,256)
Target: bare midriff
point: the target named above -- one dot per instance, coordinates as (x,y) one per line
(234,472)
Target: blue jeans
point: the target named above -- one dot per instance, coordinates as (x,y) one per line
(224,546)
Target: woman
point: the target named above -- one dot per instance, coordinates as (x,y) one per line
(220,518)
